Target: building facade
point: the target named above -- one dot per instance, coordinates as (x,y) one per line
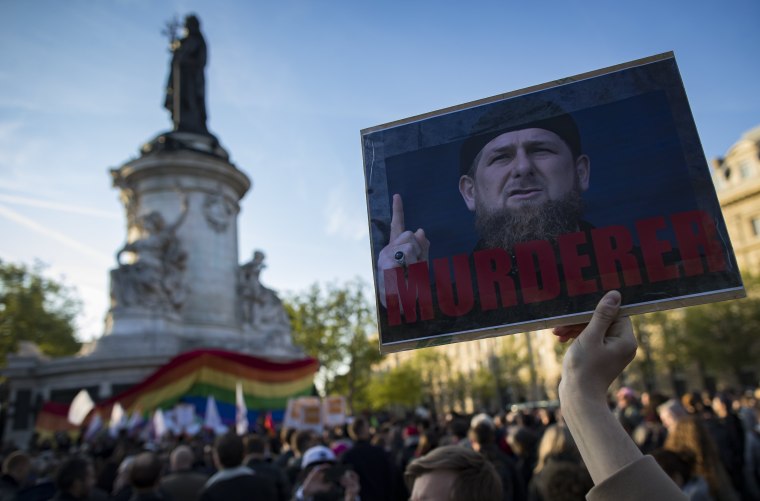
(737,181)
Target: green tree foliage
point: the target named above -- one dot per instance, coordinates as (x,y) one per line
(38,309)
(400,387)
(723,336)
(716,337)
(336,325)
(483,385)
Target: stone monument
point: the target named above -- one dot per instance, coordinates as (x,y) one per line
(177,283)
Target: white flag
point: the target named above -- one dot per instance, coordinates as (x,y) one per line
(184,415)
(135,421)
(241,412)
(212,420)
(159,424)
(95,424)
(80,407)
(170,420)
(118,420)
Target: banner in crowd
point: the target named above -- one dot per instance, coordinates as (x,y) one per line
(313,413)
(242,387)
(265,385)
(519,211)
(53,418)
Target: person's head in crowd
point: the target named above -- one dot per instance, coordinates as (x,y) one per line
(181,458)
(721,404)
(45,466)
(481,418)
(516,418)
(323,479)
(522,441)
(286,437)
(748,412)
(482,435)
(328,435)
(707,396)
(316,455)
(340,446)
(556,444)
(653,401)
(626,397)
(564,481)
(546,416)
(428,442)
(359,429)
(692,403)
(383,436)
(123,475)
(748,400)
(524,182)
(459,428)
(644,398)
(678,466)
(228,451)
(75,478)
(256,447)
(452,472)
(411,436)
(670,413)
(690,436)
(301,441)
(146,472)
(17,466)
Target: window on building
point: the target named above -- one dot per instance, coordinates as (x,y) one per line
(756,226)
(718,180)
(22,409)
(745,169)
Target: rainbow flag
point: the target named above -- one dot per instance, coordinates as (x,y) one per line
(52,418)
(192,376)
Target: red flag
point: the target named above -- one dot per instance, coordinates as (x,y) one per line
(269,424)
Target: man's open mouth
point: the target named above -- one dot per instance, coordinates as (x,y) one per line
(523,192)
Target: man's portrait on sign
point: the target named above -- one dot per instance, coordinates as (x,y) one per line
(520,211)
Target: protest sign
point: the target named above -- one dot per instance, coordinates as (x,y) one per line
(519,211)
(334,410)
(304,413)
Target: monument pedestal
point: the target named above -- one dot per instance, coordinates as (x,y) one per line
(177,285)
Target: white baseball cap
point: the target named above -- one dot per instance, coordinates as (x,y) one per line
(317,454)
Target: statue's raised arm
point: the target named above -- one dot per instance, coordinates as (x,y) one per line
(186,88)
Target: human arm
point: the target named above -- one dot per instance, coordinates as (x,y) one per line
(597,356)
(414,246)
(351,487)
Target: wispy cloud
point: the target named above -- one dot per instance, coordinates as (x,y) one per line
(62,238)
(344,219)
(58,206)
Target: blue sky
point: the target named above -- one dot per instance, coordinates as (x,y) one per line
(290,84)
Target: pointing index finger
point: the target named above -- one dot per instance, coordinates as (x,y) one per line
(397,217)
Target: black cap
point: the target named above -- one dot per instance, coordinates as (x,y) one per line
(512,115)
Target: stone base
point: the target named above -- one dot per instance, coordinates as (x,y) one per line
(175,140)
(135,345)
(130,321)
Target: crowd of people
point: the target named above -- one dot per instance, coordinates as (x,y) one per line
(592,447)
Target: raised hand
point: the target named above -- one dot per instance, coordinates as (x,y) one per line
(404,247)
(601,351)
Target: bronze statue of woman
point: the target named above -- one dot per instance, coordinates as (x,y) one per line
(186,88)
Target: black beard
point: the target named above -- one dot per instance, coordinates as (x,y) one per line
(503,228)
